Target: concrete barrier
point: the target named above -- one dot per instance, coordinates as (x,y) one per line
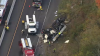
(10,12)
(8,18)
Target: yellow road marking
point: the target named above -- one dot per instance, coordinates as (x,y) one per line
(26,42)
(16,29)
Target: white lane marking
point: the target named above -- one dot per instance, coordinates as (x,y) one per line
(43,23)
(27,36)
(46,14)
(34,12)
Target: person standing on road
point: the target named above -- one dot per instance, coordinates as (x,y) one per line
(6,23)
(54,50)
(23,31)
(6,27)
(20,44)
(40,8)
(49,43)
(23,21)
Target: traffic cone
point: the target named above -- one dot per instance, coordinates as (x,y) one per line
(29,6)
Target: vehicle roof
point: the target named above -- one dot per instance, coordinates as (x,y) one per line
(36,0)
(32,24)
(3,2)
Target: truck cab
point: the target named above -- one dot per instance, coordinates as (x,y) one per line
(29,52)
(37,3)
(32,28)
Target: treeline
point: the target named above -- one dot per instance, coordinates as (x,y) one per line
(84,27)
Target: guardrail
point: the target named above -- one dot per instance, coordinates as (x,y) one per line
(8,18)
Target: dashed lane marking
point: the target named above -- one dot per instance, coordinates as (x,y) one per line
(16,29)
(27,36)
(43,22)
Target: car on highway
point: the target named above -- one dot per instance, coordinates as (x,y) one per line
(37,3)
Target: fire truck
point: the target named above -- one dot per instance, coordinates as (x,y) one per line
(3,5)
(31,24)
(26,47)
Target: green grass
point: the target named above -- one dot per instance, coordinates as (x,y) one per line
(83,31)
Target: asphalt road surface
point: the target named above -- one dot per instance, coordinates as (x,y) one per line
(21,9)
(5,16)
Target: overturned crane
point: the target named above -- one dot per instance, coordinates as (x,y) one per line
(52,34)
(31,24)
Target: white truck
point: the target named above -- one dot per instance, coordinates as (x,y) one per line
(3,5)
(31,24)
(53,34)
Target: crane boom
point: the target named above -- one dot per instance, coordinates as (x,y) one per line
(26,42)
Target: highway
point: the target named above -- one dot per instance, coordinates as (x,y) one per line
(21,9)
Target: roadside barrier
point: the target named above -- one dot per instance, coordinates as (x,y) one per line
(8,18)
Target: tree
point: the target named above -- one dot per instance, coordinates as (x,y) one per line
(98,3)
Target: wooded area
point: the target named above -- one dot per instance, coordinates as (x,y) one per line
(98,3)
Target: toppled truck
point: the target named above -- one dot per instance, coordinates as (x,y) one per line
(52,34)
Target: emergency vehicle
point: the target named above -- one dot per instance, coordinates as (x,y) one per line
(3,5)
(31,24)
(26,47)
(37,3)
